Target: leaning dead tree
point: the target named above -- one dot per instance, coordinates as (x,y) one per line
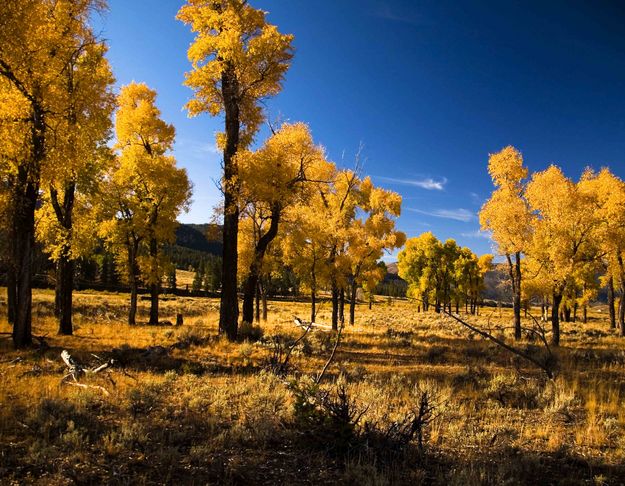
(545,366)
(75,371)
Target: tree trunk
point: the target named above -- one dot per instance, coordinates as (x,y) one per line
(24,226)
(251,282)
(335,306)
(313,292)
(133,275)
(555,320)
(257,316)
(11,294)
(66,290)
(352,304)
(229,306)
(263,295)
(567,313)
(575,306)
(154,286)
(621,311)
(514,269)
(585,314)
(611,303)
(342,307)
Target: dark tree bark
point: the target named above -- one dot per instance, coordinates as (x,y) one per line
(229,306)
(11,295)
(251,282)
(342,307)
(133,277)
(25,242)
(335,306)
(514,270)
(611,308)
(27,192)
(64,288)
(585,314)
(263,297)
(154,286)
(352,303)
(567,313)
(257,316)
(555,319)
(313,291)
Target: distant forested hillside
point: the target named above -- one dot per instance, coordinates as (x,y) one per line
(195,242)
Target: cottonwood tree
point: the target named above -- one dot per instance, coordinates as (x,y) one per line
(609,210)
(280,174)
(238,59)
(442,273)
(65,221)
(507,217)
(563,233)
(38,40)
(146,192)
(368,239)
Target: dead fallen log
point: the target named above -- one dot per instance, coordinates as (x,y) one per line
(75,371)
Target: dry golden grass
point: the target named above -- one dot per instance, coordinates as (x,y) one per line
(188,407)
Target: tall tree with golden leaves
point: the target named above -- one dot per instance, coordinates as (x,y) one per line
(281,173)
(564,233)
(38,40)
(238,59)
(506,215)
(79,155)
(146,192)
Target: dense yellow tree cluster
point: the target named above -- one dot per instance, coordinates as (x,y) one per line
(569,235)
(443,274)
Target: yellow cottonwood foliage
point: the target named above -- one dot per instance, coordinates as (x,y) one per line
(234,37)
(78,155)
(146,191)
(284,172)
(564,224)
(506,214)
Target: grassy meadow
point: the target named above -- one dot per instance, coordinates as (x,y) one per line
(181,405)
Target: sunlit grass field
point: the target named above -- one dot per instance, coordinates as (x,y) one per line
(183,406)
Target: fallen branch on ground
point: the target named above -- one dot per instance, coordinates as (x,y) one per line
(76,371)
(543,366)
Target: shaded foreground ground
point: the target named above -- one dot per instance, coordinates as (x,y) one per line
(185,407)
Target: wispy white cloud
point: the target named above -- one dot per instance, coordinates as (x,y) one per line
(426,183)
(196,147)
(385,12)
(477,234)
(460,214)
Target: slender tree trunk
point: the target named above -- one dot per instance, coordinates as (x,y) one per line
(251,282)
(313,291)
(585,314)
(133,276)
(621,311)
(263,295)
(154,286)
(65,265)
(555,320)
(257,316)
(66,291)
(352,304)
(567,313)
(514,269)
(342,307)
(335,306)
(611,309)
(229,306)
(370,300)
(575,306)
(11,294)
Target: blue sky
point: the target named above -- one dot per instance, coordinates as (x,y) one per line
(430,88)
